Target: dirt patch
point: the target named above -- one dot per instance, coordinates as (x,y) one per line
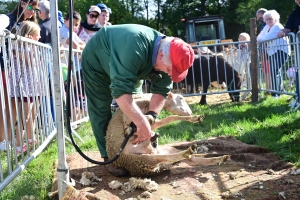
(252,173)
(216,98)
(211,99)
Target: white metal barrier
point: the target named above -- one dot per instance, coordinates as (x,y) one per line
(27,86)
(220,63)
(282,81)
(27,124)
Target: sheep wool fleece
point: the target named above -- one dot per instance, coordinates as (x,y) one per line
(114,62)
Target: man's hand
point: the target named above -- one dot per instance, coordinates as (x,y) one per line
(143,132)
(129,107)
(283,32)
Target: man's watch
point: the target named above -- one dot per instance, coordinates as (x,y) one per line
(153,114)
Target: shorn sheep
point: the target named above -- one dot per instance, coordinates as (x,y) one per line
(144,159)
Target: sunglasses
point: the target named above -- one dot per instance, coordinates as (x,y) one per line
(31,8)
(93,16)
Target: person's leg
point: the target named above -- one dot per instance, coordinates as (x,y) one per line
(297,83)
(99,100)
(19,132)
(4,101)
(30,123)
(276,61)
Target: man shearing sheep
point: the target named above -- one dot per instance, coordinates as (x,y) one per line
(116,61)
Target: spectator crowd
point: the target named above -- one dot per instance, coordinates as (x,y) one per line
(107,68)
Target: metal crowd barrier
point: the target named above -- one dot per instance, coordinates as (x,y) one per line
(278,73)
(28,72)
(282,81)
(27,120)
(79,111)
(217,54)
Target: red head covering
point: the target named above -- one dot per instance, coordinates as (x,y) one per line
(182,58)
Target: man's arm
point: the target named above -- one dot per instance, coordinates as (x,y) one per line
(157,103)
(129,107)
(283,32)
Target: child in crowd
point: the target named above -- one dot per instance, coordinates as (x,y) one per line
(243,37)
(64,31)
(78,44)
(25,85)
(244,59)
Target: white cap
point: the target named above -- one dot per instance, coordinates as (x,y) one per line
(95,9)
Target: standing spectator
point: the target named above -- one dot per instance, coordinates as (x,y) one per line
(104,16)
(292,25)
(77,44)
(89,27)
(277,50)
(60,17)
(3,143)
(85,32)
(244,58)
(293,22)
(64,31)
(113,72)
(24,10)
(26,75)
(264,61)
(44,15)
(259,17)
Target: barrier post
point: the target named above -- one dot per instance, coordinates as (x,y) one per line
(62,168)
(254,61)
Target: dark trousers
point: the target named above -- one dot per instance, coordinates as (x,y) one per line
(276,62)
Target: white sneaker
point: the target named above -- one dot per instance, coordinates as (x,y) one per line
(3,146)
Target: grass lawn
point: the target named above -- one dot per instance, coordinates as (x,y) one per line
(268,123)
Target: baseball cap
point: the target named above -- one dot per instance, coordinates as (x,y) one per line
(182,58)
(94,9)
(102,6)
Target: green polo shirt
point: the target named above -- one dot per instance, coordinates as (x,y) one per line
(122,54)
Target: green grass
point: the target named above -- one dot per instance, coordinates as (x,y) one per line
(269,123)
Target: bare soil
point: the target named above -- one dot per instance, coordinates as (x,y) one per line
(252,173)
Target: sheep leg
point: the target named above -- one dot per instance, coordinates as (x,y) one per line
(152,159)
(162,122)
(199,159)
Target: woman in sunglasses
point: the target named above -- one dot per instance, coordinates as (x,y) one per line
(25,10)
(89,27)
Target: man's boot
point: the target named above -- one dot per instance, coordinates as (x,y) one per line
(114,170)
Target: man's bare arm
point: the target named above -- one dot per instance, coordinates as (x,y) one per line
(157,103)
(129,107)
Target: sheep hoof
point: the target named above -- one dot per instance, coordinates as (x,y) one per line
(191,150)
(225,158)
(197,118)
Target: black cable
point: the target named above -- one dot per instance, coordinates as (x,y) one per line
(68,106)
